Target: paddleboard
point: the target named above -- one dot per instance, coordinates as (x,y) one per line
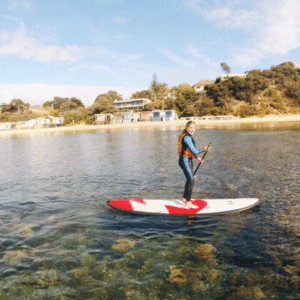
(178,208)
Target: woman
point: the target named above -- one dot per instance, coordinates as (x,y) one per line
(187,151)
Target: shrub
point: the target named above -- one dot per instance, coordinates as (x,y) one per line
(293,91)
(294,110)
(206,107)
(248,111)
(278,104)
(12,117)
(270,92)
(226,110)
(264,109)
(76,115)
(55,113)
(90,120)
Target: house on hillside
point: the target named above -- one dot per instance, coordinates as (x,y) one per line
(227,76)
(136,104)
(200,85)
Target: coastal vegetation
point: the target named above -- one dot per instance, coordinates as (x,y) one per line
(258,93)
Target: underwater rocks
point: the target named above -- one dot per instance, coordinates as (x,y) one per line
(123,245)
(176,275)
(27,230)
(247,293)
(205,251)
(291,270)
(211,274)
(14,257)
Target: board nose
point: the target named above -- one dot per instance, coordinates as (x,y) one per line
(121,204)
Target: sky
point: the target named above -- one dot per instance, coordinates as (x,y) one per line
(76,48)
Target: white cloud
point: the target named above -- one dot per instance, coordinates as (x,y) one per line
(38,93)
(198,54)
(121,20)
(175,58)
(281,32)
(120,36)
(272,28)
(24,6)
(22,44)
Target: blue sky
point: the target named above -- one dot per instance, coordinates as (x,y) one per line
(85,48)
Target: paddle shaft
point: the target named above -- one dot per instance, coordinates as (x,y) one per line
(200,163)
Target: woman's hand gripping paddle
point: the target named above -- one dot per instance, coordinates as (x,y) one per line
(200,163)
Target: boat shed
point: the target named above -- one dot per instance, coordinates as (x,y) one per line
(127,117)
(118,117)
(171,115)
(146,116)
(158,115)
(101,119)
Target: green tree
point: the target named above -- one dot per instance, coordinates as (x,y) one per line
(64,104)
(225,68)
(77,101)
(68,105)
(205,106)
(158,104)
(108,98)
(188,92)
(142,94)
(102,104)
(16,105)
(153,82)
(158,90)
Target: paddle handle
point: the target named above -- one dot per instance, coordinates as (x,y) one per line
(200,163)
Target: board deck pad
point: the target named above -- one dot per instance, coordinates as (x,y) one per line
(178,208)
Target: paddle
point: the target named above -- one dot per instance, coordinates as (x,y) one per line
(200,161)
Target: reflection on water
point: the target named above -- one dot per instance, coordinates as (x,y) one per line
(59,240)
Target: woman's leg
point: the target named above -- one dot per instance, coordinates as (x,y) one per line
(187,169)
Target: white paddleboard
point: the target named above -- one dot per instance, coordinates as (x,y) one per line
(178,208)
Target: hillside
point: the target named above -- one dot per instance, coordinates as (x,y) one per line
(40,110)
(272,91)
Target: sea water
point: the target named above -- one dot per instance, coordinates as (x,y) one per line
(59,240)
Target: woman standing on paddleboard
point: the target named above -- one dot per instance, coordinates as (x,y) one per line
(187,151)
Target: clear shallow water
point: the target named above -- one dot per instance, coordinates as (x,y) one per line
(60,241)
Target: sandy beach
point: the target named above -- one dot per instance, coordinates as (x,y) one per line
(178,123)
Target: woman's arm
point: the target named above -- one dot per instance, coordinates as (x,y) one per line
(189,143)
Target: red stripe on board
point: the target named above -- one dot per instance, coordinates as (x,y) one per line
(121,204)
(174,210)
(200,203)
(139,201)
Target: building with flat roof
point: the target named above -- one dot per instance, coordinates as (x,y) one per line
(227,76)
(138,103)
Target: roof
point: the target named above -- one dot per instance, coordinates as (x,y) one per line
(203,82)
(132,100)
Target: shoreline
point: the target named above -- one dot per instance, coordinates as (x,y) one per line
(178,123)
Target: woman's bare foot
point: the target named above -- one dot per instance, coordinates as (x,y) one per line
(191,205)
